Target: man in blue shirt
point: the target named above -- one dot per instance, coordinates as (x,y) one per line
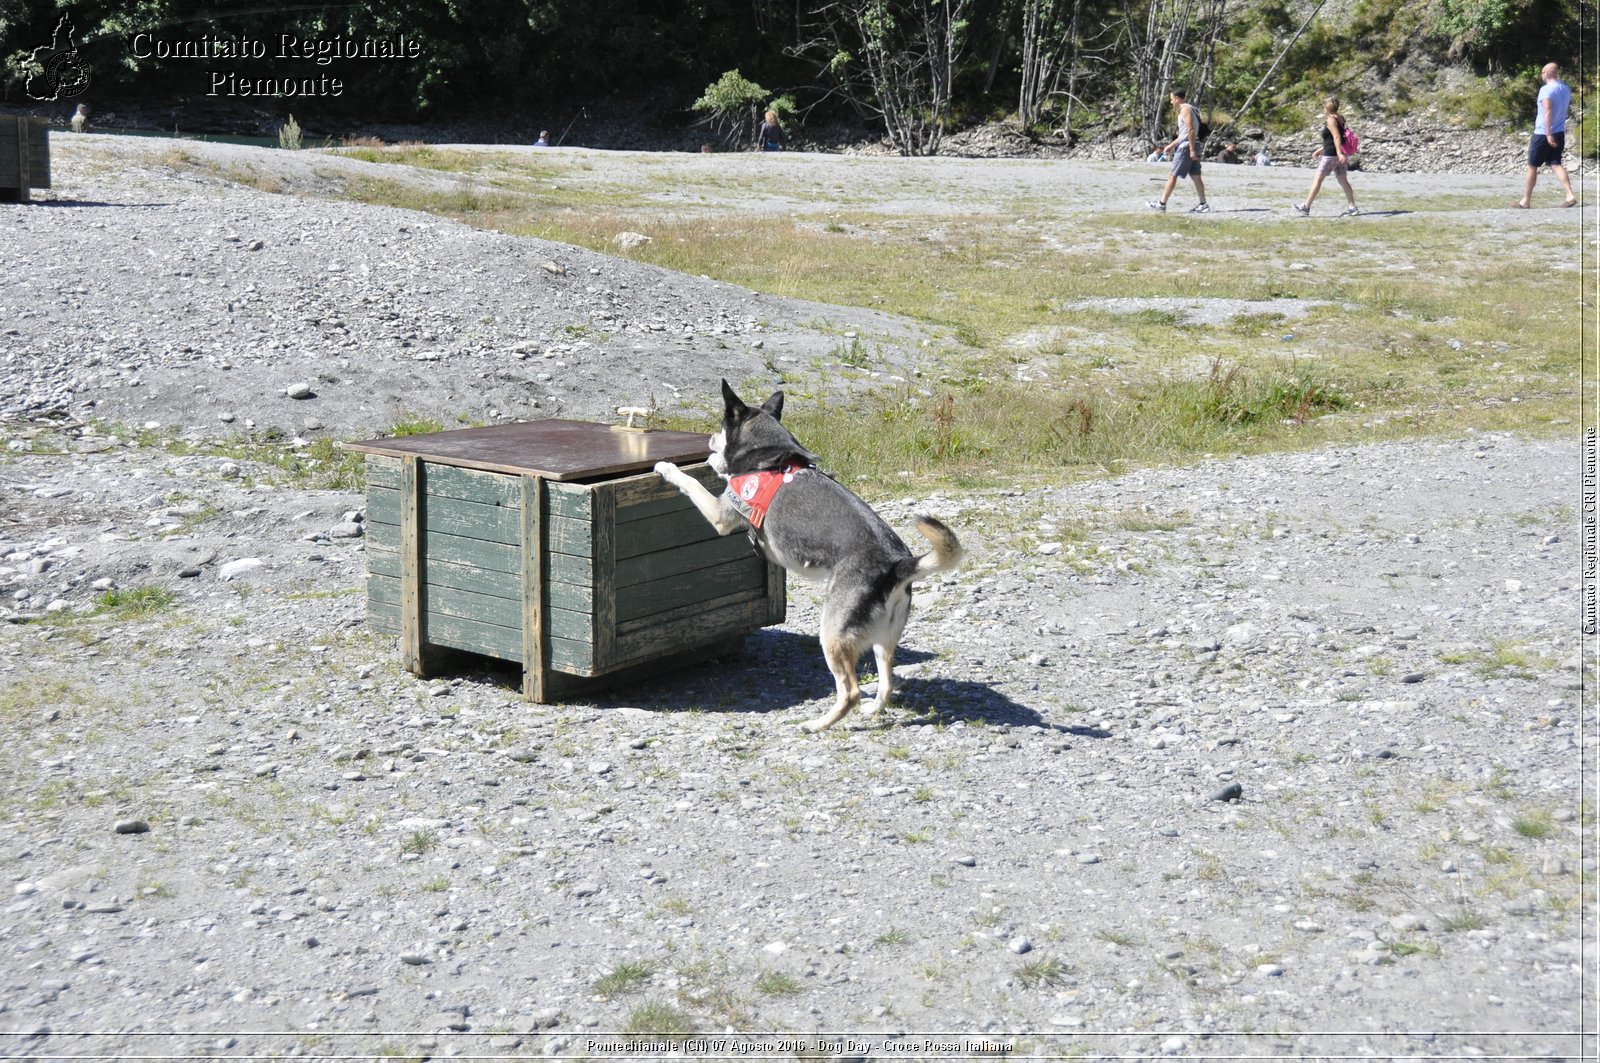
(1549,135)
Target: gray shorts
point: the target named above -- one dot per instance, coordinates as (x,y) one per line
(1331,164)
(1182,165)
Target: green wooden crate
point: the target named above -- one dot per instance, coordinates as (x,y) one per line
(560,556)
(24,157)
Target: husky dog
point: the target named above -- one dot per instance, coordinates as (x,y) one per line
(802,519)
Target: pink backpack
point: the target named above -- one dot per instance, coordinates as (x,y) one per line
(1349,142)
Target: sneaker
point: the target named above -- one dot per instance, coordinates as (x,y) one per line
(1302,210)
(1156,204)
(1200,208)
(1349,212)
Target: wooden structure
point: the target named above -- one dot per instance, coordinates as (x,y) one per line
(555,545)
(24,157)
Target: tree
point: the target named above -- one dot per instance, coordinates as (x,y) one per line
(893,59)
(733,106)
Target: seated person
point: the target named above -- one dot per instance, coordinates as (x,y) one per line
(1157,155)
(1230,153)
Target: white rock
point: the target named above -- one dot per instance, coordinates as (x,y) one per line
(234,569)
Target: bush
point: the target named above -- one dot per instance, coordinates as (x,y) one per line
(733,106)
(289,135)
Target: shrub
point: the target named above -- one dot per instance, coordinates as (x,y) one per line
(289,135)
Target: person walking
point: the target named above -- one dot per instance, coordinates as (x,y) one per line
(1185,149)
(1549,135)
(770,138)
(1333,161)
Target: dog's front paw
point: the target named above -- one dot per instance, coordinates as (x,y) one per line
(665,469)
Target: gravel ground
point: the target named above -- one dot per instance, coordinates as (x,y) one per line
(1269,756)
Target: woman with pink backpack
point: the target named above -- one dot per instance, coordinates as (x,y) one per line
(1338,144)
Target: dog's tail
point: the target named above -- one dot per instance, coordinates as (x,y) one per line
(944,556)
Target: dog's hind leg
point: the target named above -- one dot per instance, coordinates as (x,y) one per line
(841,652)
(883,652)
(884,642)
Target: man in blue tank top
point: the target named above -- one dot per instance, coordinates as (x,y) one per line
(1549,135)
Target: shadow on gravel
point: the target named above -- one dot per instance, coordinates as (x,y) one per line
(780,671)
(90,203)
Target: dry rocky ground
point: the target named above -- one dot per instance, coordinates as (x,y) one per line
(1276,755)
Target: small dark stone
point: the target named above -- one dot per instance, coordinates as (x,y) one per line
(188,573)
(965,861)
(1413,677)
(132,826)
(1231,792)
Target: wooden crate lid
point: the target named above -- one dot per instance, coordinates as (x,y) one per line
(556,450)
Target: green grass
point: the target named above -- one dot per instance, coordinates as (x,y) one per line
(135,602)
(419,842)
(625,977)
(777,984)
(1041,973)
(657,1018)
(1102,389)
(1535,824)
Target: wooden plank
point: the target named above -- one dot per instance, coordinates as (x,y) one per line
(381,536)
(449,516)
(474,636)
(39,152)
(413,635)
(567,500)
(603,553)
(639,496)
(554,449)
(689,588)
(646,488)
(487,488)
(465,605)
(572,655)
(662,563)
(659,533)
(690,611)
(569,536)
(383,472)
(533,619)
(24,161)
(566,535)
(777,593)
(438,573)
(383,616)
(721,622)
(451,601)
(497,557)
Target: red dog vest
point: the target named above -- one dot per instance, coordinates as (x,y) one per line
(753,492)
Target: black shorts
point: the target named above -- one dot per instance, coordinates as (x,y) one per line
(1540,152)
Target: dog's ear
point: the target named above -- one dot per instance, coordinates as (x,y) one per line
(774,405)
(731,402)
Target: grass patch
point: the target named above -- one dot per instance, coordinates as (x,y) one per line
(777,984)
(625,977)
(1040,973)
(419,842)
(1102,389)
(1536,824)
(658,1019)
(134,603)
